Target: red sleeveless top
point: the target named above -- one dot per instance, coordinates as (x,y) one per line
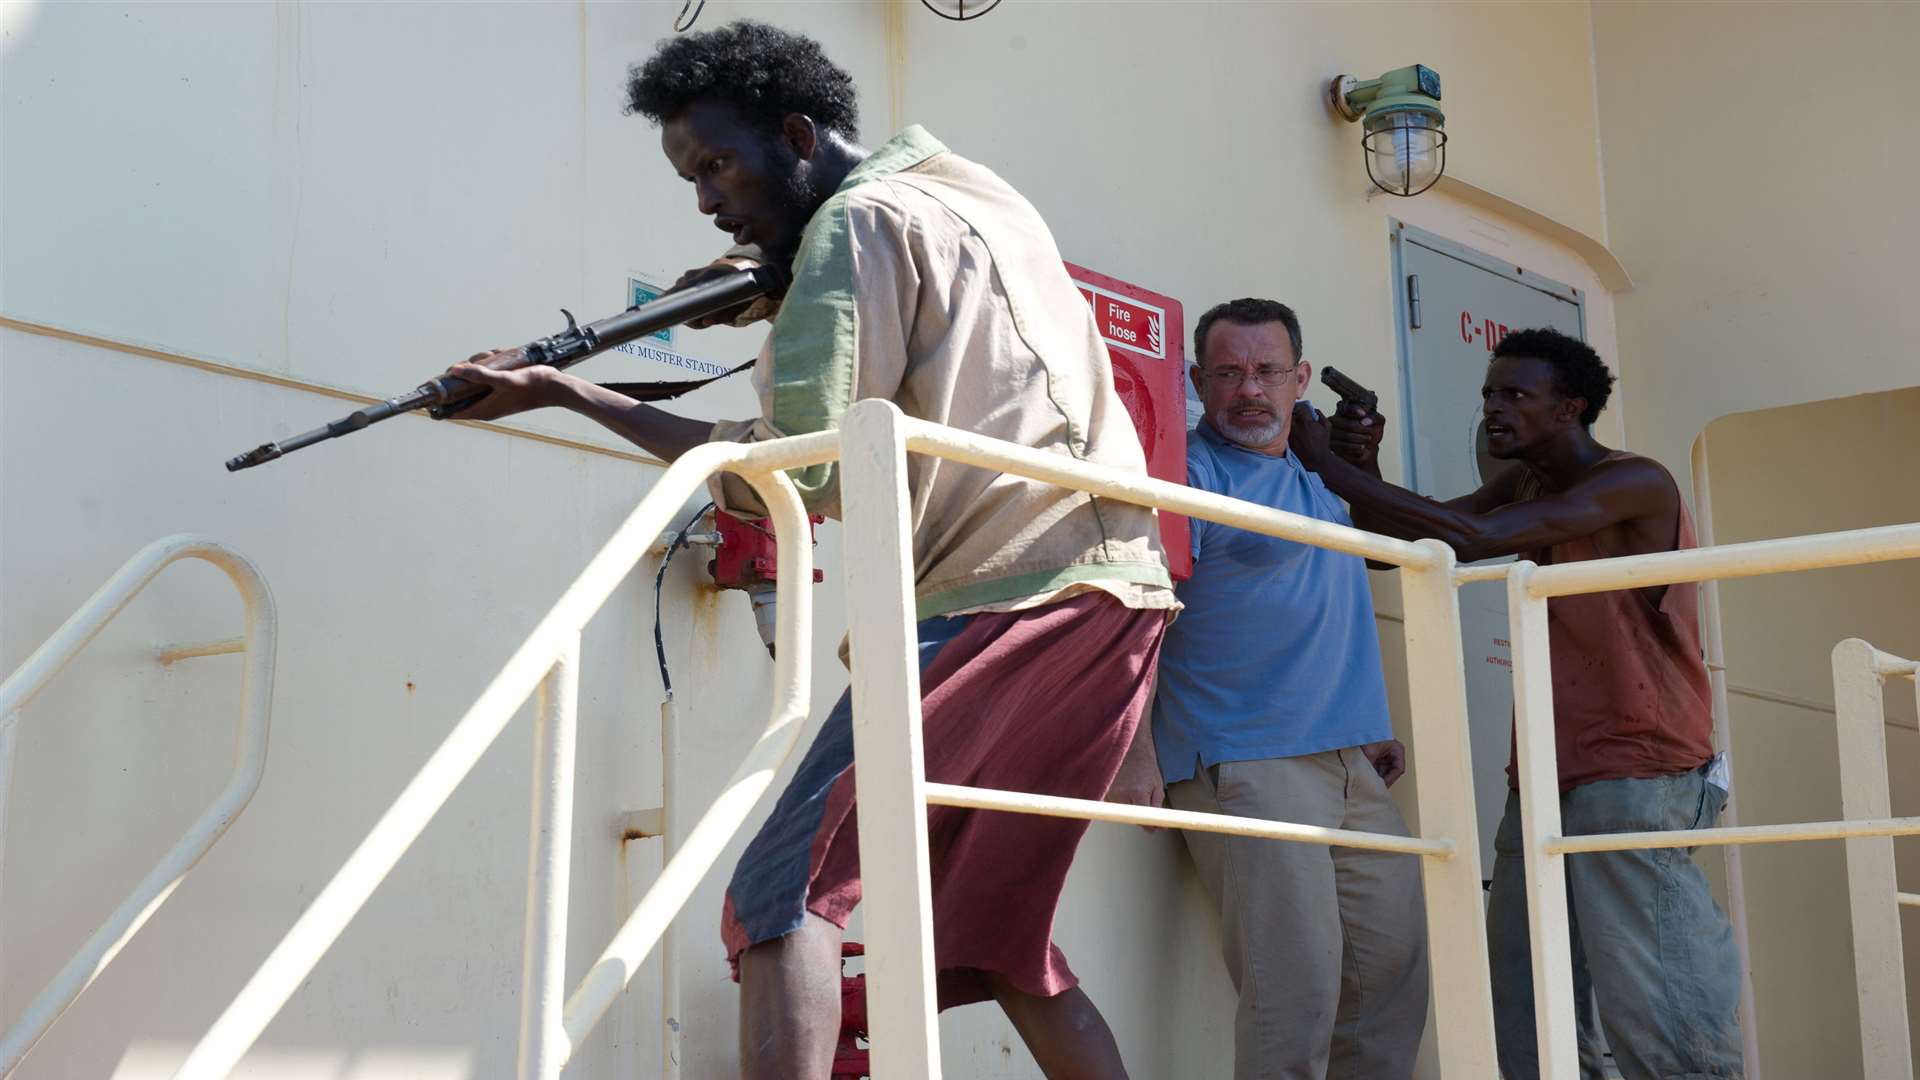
(1630,692)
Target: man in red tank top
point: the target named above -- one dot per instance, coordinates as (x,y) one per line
(1632,715)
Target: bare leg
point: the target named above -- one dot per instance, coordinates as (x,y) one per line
(790,1004)
(1065,1033)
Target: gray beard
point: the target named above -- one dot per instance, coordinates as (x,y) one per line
(1258,435)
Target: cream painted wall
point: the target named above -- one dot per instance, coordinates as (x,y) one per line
(353,195)
(1758,188)
(1778,472)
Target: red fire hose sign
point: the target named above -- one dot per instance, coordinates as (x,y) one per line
(1145,336)
(1129,323)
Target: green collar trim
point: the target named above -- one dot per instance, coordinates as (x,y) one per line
(898,154)
(1020,586)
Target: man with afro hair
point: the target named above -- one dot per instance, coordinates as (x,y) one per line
(1633,718)
(921,278)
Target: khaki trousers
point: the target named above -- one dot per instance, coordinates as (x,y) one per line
(1326,946)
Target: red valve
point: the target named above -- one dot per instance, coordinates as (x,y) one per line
(748,555)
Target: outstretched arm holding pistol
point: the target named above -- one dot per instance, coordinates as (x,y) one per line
(1357,424)
(1354,433)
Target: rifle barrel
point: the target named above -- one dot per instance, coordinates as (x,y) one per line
(446,394)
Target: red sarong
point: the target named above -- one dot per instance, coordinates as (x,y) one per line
(1045,700)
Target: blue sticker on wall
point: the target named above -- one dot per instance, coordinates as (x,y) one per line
(639,292)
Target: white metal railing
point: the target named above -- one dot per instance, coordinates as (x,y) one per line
(898,901)
(1860,672)
(250,755)
(1529,587)
(871,447)
(547,660)
(893,791)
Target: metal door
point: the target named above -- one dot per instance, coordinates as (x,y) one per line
(1454,305)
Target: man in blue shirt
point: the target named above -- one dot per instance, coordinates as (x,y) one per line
(1272,705)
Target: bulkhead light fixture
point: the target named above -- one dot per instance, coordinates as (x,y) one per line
(1404,135)
(960,10)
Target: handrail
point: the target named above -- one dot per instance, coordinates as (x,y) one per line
(952,444)
(1843,829)
(240,1025)
(1187,820)
(1706,565)
(250,757)
(1467,575)
(1866,829)
(1860,672)
(792,677)
(548,1044)
(872,446)
(173,654)
(1751,559)
(876,439)
(894,792)
(1885,663)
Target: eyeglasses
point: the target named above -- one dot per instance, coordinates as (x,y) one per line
(1266,375)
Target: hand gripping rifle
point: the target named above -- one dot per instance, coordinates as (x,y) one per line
(446,395)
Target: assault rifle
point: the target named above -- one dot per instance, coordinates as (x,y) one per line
(446,395)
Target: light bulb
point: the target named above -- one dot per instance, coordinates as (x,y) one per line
(1404,150)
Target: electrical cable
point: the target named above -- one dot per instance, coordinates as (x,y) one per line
(683,23)
(659,583)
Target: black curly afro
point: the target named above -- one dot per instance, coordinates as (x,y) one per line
(1578,371)
(763,71)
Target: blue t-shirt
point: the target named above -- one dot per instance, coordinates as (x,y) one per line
(1276,654)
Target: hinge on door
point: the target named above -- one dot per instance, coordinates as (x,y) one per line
(1413,301)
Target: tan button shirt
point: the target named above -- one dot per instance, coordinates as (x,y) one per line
(929,282)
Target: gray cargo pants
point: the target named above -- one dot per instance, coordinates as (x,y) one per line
(1648,940)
